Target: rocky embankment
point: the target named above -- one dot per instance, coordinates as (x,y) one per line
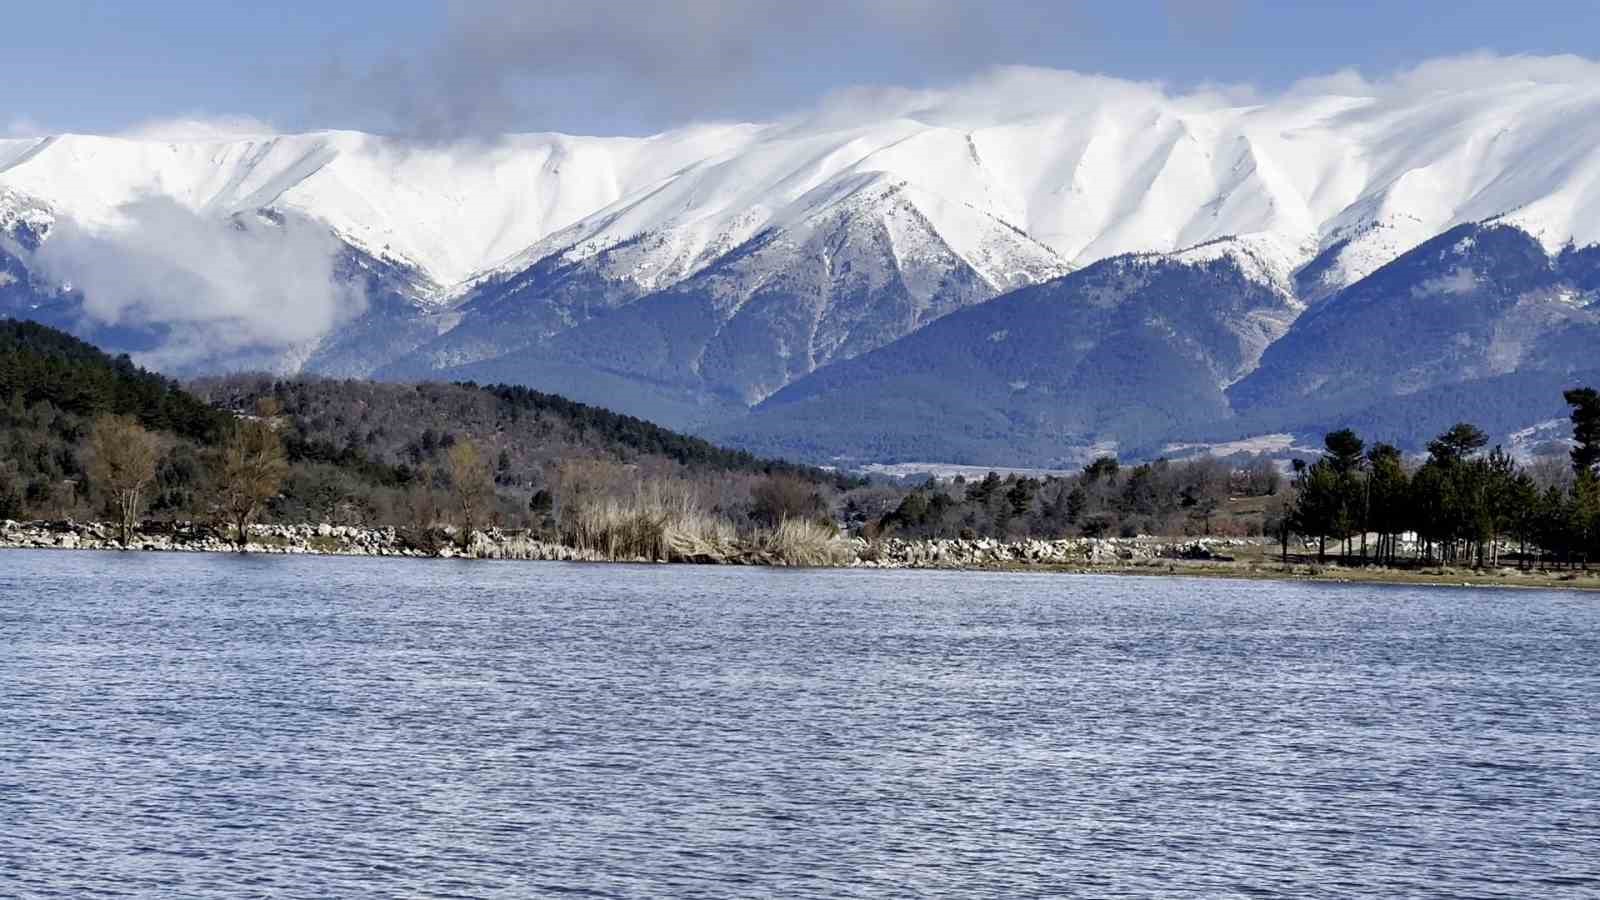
(340,540)
(331,540)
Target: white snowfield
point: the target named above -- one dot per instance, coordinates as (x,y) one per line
(1080,167)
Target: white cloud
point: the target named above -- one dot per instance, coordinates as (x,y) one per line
(1454,73)
(1462,281)
(199,128)
(1000,94)
(220,285)
(1004,93)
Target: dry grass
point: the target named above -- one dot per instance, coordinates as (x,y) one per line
(799,542)
(660,522)
(665,522)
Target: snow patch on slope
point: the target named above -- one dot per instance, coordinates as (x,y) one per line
(18,209)
(1266,259)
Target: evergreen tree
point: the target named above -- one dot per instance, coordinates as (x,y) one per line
(1523,514)
(1584,517)
(1460,442)
(1343,451)
(1585,403)
(1077,502)
(1388,489)
(1102,467)
(1316,511)
(1497,512)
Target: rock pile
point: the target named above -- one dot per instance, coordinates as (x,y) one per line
(896,553)
(335,540)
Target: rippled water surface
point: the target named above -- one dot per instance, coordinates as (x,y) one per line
(211,726)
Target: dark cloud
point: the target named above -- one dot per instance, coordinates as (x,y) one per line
(518,64)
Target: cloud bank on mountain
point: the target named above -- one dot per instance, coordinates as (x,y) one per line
(214,285)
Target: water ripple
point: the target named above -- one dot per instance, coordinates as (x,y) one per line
(220,727)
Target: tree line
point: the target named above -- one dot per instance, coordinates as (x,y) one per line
(1203,496)
(1460,505)
(83,434)
(243,472)
(87,435)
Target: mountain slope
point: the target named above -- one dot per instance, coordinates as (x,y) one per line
(1477,302)
(382,308)
(1327,188)
(1120,353)
(845,276)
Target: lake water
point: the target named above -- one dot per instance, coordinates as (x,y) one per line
(213,726)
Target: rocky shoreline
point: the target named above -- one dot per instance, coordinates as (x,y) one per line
(1248,558)
(343,540)
(314,540)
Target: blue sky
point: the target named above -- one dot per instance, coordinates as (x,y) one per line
(436,67)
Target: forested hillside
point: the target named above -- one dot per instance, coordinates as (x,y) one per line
(40,365)
(347,452)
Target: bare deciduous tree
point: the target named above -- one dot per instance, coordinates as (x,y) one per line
(419,510)
(472,485)
(122,461)
(779,498)
(250,469)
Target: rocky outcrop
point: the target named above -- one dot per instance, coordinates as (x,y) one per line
(893,553)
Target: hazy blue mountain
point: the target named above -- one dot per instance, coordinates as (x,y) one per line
(1134,354)
(399,318)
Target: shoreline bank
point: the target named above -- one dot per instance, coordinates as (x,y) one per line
(1227,558)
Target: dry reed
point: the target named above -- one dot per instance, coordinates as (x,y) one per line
(665,522)
(660,522)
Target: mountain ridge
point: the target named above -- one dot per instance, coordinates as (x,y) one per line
(694,274)
(1117,167)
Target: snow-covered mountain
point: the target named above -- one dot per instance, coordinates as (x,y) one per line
(693,273)
(1481,322)
(449,211)
(1144,352)
(1089,167)
(848,269)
